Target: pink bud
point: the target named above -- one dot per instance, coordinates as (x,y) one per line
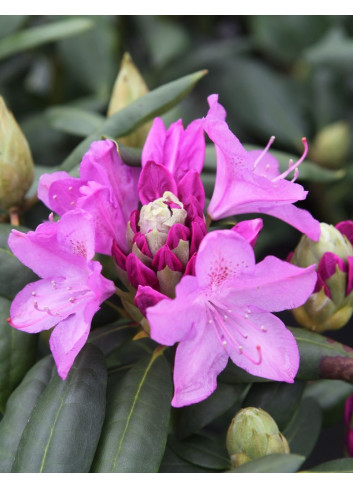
(198,232)
(139,274)
(346,228)
(141,242)
(147,297)
(166,258)
(176,233)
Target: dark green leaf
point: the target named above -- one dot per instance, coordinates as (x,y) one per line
(337,465)
(331,396)
(73,120)
(334,50)
(36,36)
(17,354)
(304,429)
(10,23)
(263,101)
(110,337)
(138,408)
(272,464)
(202,451)
(19,409)
(137,113)
(172,463)
(321,357)
(279,399)
(14,275)
(191,419)
(64,428)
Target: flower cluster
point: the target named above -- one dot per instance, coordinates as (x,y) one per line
(151,220)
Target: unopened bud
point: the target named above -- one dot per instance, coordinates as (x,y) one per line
(128,87)
(16,164)
(252,434)
(332,143)
(331,304)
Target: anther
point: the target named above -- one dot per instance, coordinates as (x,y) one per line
(224,343)
(33,293)
(55,197)
(240,348)
(53,284)
(72,203)
(72,299)
(70,188)
(263,329)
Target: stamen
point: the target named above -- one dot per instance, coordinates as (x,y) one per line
(70,188)
(293,166)
(54,284)
(262,154)
(296,175)
(55,197)
(33,293)
(72,299)
(72,203)
(263,329)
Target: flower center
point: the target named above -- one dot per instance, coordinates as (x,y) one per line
(162,214)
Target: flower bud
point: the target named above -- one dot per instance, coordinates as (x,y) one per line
(16,164)
(331,145)
(252,434)
(128,87)
(331,304)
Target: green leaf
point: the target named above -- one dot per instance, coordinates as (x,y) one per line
(304,429)
(17,354)
(14,275)
(134,434)
(191,419)
(110,337)
(202,451)
(263,101)
(172,463)
(19,409)
(63,430)
(279,399)
(337,465)
(73,120)
(137,113)
(334,50)
(275,463)
(10,23)
(321,357)
(331,396)
(36,36)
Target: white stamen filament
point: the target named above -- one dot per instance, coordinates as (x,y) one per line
(259,158)
(294,166)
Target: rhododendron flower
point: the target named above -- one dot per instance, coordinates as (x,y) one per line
(107,189)
(225,311)
(251,181)
(71,288)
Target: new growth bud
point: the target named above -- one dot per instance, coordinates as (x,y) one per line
(331,304)
(252,434)
(332,144)
(16,164)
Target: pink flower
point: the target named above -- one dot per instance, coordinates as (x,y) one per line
(251,181)
(71,288)
(225,311)
(107,189)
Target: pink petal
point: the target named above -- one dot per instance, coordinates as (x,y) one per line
(153,149)
(198,361)
(59,191)
(109,220)
(191,151)
(262,345)
(273,285)
(76,234)
(147,297)
(154,181)
(191,185)
(119,256)
(139,274)
(222,255)
(102,164)
(328,263)
(250,230)
(300,219)
(190,267)
(43,304)
(141,242)
(267,166)
(169,311)
(346,228)
(172,145)
(166,258)
(68,338)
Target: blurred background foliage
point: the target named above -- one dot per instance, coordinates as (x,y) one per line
(288,76)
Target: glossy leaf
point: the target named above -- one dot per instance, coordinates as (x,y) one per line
(10,23)
(304,429)
(17,354)
(112,336)
(134,115)
(275,463)
(202,451)
(334,50)
(135,430)
(172,463)
(19,409)
(36,36)
(321,357)
(279,399)
(337,465)
(73,120)
(192,419)
(64,428)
